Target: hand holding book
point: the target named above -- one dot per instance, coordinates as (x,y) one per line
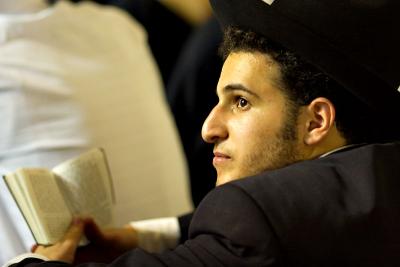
(49,199)
(64,250)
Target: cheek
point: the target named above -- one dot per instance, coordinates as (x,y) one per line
(252,132)
(256,127)
(254,138)
(243,131)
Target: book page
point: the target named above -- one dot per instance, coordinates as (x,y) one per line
(42,204)
(86,183)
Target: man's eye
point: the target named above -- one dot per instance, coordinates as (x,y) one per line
(242,103)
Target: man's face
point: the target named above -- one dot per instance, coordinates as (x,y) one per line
(251,126)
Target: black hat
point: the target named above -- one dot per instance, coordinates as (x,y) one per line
(356,42)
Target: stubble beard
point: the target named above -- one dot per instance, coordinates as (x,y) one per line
(282,151)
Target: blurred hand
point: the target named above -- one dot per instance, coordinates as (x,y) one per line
(64,250)
(105,244)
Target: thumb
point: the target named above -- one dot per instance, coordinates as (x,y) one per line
(64,250)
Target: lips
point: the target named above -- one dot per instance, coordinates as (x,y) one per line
(220,158)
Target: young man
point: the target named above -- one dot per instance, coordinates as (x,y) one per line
(307,112)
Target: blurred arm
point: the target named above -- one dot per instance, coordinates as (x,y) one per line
(193,11)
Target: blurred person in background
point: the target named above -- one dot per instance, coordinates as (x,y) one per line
(76,76)
(184,37)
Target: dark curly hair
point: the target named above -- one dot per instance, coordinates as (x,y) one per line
(302,82)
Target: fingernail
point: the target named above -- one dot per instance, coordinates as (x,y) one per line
(34,247)
(77,221)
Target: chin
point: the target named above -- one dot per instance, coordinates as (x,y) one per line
(223,179)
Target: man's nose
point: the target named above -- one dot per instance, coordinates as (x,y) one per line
(214,127)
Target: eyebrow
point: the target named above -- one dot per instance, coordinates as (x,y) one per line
(239,87)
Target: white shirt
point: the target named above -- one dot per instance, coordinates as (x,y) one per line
(76,76)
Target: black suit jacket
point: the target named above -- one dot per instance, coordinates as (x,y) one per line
(341,210)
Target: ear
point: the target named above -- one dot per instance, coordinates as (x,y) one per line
(320,120)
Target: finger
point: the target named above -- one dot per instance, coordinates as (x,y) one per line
(34,247)
(93,232)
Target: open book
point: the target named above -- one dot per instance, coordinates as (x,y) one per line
(48,199)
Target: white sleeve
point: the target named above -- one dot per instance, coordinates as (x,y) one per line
(24,256)
(154,235)
(157,235)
